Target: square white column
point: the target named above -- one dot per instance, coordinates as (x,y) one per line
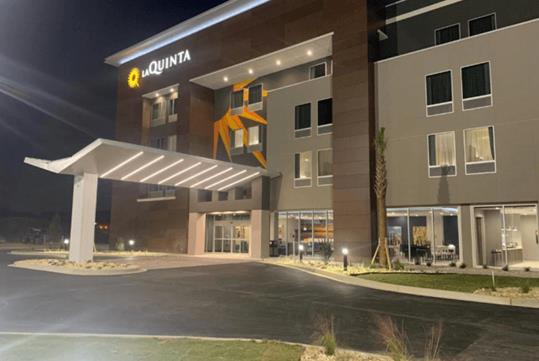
(81,243)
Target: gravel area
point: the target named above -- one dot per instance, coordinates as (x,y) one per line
(513,292)
(317,354)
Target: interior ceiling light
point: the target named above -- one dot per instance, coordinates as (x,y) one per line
(309,52)
(224,180)
(180,173)
(195,175)
(278,62)
(122,164)
(251,71)
(238,181)
(161,170)
(143,167)
(225,78)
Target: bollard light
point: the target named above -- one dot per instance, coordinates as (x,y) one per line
(301,249)
(345,258)
(131,242)
(66,241)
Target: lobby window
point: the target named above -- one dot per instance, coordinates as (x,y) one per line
(238,138)
(303,169)
(482,24)
(303,120)
(476,87)
(236,100)
(255,97)
(442,159)
(325,167)
(318,70)
(159,143)
(254,135)
(439,94)
(325,116)
(447,34)
(479,150)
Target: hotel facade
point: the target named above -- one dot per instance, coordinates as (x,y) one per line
(290,94)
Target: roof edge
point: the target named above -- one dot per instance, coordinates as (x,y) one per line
(184,29)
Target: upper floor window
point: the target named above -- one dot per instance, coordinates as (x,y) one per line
(318,70)
(476,88)
(439,94)
(171,106)
(302,122)
(236,99)
(325,116)
(255,94)
(156,110)
(238,138)
(479,150)
(303,169)
(447,34)
(482,24)
(325,167)
(160,143)
(254,135)
(172,143)
(442,159)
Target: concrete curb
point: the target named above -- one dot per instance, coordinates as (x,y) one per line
(416,291)
(79,272)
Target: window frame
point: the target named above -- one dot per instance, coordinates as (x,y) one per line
(483,161)
(324,126)
(258,131)
(232,93)
(261,94)
(427,106)
(310,127)
(294,170)
(429,167)
(315,65)
(318,176)
(480,96)
(483,16)
(236,146)
(446,27)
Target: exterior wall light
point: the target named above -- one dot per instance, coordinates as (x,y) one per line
(301,249)
(345,258)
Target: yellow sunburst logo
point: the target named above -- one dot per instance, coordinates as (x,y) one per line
(133,78)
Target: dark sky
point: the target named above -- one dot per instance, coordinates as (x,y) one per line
(56,93)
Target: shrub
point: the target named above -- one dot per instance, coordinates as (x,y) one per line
(429,263)
(397,265)
(527,269)
(452,264)
(485,266)
(432,345)
(417,262)
(326,335)
(462,265)
(327,251)
(393,337)
(525,288)
(505,268)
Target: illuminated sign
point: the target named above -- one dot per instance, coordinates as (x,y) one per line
(157,67)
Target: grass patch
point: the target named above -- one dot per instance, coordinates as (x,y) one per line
(64,348)
(451,282)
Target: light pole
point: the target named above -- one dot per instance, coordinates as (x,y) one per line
(345,258)
(301,248)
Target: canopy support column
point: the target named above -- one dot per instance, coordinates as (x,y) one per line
(81,245)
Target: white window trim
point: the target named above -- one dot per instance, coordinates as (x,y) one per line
(317,116)
(318,177)
(482,16)
(427,106)
(446,27)
(261,94)
(301,129)
(242,97)
(479,96)
(429,167)
(311,178)
(315,65)
(483,161)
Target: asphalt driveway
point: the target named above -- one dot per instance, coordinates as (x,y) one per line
(253,300)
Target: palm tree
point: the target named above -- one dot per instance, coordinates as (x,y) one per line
(380,187)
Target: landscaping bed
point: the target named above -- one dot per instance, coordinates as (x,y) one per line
(74,268)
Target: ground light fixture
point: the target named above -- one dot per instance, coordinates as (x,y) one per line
(301,249)
(131,242)
(345,258)
(66,243)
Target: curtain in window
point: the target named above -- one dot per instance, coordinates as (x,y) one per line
(255,94)
(447,34)
(439,88)
(442,149)
(237,99)
(303,116)
(303,165)
(482,25)
(238,138)
(475,80)
(479,144)
(325,163)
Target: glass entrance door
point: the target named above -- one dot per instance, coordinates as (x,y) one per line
(230,237)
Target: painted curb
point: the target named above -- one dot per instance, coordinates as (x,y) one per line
(416,291)
(74,272)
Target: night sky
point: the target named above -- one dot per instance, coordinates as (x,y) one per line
(56,93)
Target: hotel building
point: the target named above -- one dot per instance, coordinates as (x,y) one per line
(262,114)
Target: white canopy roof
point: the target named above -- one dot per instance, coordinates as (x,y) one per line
(127,162)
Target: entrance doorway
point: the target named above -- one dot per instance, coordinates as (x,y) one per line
(228,233)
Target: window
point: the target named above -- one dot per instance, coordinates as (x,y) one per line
(156,110)
(442,160)
(171,106)
(447,34)
(325,167)
(243,192)
(303,120)
(439,94)
(238,138)
(325,115)
(318,70)
(302,169)
(479,150)
(204,195)
(254,135)
(255,94)
(236,99)
(223,196)
(482,24)
(159,143)
(476,89)
(172,143)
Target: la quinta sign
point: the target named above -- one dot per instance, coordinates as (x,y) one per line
(157,67)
